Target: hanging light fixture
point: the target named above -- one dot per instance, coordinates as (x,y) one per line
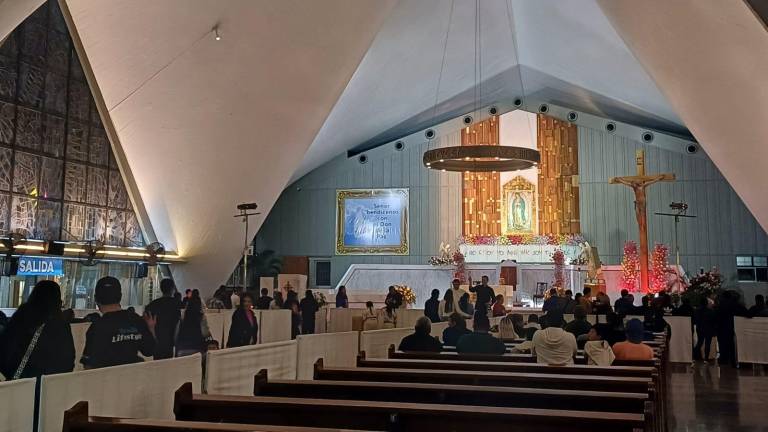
(483,157)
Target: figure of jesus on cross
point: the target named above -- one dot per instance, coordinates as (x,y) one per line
(639,183)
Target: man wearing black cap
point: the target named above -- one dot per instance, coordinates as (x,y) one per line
(119,335)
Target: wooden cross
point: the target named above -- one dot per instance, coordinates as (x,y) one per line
(639,183)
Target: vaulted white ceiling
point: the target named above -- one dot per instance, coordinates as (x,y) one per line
(207,124)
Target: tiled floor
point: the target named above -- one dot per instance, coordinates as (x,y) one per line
(705,397)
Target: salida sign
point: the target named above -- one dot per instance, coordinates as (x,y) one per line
(40,267)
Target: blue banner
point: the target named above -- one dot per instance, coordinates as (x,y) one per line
(29,266)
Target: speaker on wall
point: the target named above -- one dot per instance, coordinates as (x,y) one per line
(362,158)
(493,110)
(692,148)
(610,127)
(518,102)
(142,270)
(647,137)
(543,108)
(573,116)
(429,133)
(467,120)
(54,248)
(399,146)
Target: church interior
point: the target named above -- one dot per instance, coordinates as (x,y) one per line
(284,215)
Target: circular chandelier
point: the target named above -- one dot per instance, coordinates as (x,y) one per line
(481,158)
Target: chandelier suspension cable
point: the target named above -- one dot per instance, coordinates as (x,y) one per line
(442,63)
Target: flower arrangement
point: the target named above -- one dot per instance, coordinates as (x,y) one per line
(455,258)
(559,259)
(409,297)
(524,239)
(630,264)
(702,286)
(659,266)
(320,298)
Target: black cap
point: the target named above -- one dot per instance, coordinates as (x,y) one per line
(108,291)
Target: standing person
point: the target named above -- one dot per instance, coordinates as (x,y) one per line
(394,298)
(448,305)
(118,336)
(570,303)
(342,301)
(187,295)
(421,340)
(245,329)
(456,294)
(457,327)
(166,311)
(597,350)
(277,301)
(36,340)
(309,308)
(759,309)
(292,304)
(633,348)
(193,333)
(432,306)
(263,301)
(727,309)
(370,317)
(389,317)
(480,341)
(706,328)
(498,308)
(234,299)
(553,345)
(620,306)
(586,300)
(484,295)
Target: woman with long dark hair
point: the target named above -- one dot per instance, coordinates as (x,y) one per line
(193,334)
(446,305)
(37,340)
(244,330)
(309,308)
(342,301)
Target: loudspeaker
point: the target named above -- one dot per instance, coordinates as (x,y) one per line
(467,120)
(10,266)
(493,110)
(54,248)
(142,270)
(399,146)
(573,116)
(429,133)
(518,102)
(543,108)
(362,158)
(647,137)
(692,148)
(610,127)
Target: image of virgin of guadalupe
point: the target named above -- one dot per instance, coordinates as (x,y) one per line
(518,217)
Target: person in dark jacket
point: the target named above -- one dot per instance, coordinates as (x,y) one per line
(193,334)
(292,304)
(432,305)
(52,351)
(263,302)
(759,309)
(579,326)
(421,340)
(309,308)
(118,336)
(480,341)
(728,308)
(167,312)
(342,301)
(394,298)
(457,327)
(706,328)
(245,329)
(484,295)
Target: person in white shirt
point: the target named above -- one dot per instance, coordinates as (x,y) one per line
(370,317)
(597,350)
(553,345)
(235,298)
(449,304)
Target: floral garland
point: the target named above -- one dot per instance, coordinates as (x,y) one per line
(455,258)
(459,264)
(630,264)
(702,286)
(409,297)
(559,259)
(524,239)
(659,267)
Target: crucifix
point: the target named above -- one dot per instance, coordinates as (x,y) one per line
(639,183)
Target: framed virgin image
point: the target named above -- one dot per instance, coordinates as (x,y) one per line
(372,222)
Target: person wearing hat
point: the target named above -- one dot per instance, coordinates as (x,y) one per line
(553,345)
(119,335)
(633,348)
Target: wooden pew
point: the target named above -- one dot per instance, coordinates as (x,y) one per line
(502,379)
(490,366)
(76,419)
(382,415)
(513,397)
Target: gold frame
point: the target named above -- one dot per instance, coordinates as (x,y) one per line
(343,249)
(521,184)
